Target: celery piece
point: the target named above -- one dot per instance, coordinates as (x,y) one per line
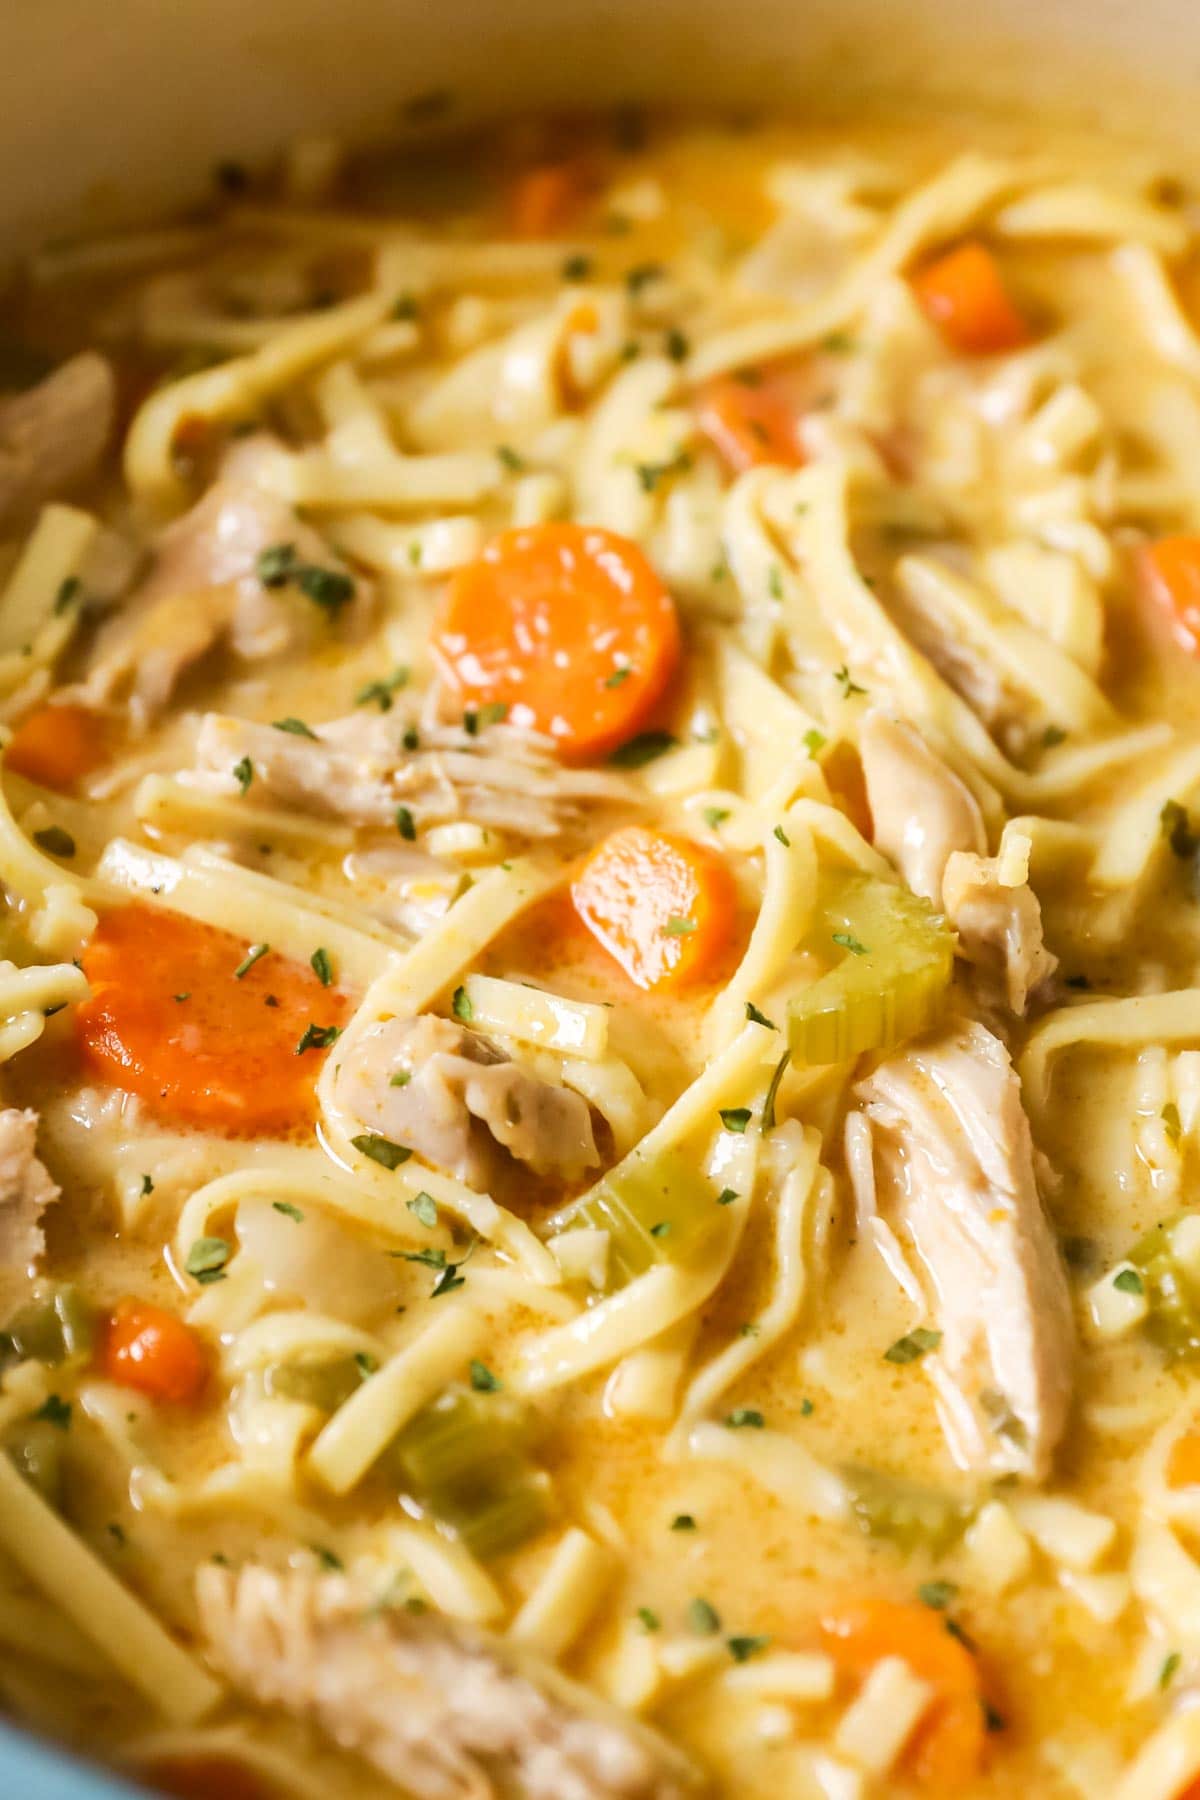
(456,1436)
(512,1505)
(892,976)
(653,1211)
(1172,1291)
(37,1449)
(58,1328)
(907,1515)
(326,1385)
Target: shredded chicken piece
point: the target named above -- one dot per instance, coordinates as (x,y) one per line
(953,1166)
(26,1190)
(999,926)
(922,812)
(53,436)
(465,1102)
(446,1712)
(205,589)
(359,770)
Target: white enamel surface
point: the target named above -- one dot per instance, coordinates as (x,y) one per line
(125,107)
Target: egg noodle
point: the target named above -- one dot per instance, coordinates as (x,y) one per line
(657,1165)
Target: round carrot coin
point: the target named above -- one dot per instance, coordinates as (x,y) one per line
(565,628)
(170,1019)
(146,1348)
(662,906)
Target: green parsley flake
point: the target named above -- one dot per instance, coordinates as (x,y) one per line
(577,267)
(423,1206)
(147,1186)
(782,836)
(847,685)
(703,1618)
(643,749)
(482,1379)
(477,718)
(814,741)
(401,1078)
(745,1416)
(912,1346)
(735,1118)
(275,565)
(447,1281)
(254,954)
(206,1260)
(650,1621)
(743,1648)
(676,926)
(1169,1670)
(381,1149)
(318,1037)
(511,459)
(406,825)
(55,1411)
(1128,1281)
(55,841)
(618,676)
(288,1210)
(937,1594)
(759,1018)
(847,941)
(727,1196)
(772,1093)
(297,727)
(676,345)
(68,591)
(322,967)
(683,1522)
(715,816)
(243,773)
(461,1006)
(379,693)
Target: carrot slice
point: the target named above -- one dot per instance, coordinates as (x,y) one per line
(546,199)
(1170,576)
(57,745)
(146,1348)
(662,906)
(753,418)
(947,1748)
(963,292)
(565,626)
(168,1019)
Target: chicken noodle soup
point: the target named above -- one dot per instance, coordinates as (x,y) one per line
(601,847)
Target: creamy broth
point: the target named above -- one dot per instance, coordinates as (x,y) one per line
(869,1465)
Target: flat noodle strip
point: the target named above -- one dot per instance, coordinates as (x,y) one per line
(1106,1024)
(954,199)
(107,1614)
(235,389)
(255,907)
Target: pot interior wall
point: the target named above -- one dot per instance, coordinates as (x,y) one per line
(122,110)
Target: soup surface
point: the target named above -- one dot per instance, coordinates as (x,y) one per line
(600,1014)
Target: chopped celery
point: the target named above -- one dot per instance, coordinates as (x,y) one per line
(322,1384)
(907,1515)
(463,1456)
(57,1328)
(36,1448)
(653,1211)
(457,1435)
(1172,1289)
(510,1507)
(897,957)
